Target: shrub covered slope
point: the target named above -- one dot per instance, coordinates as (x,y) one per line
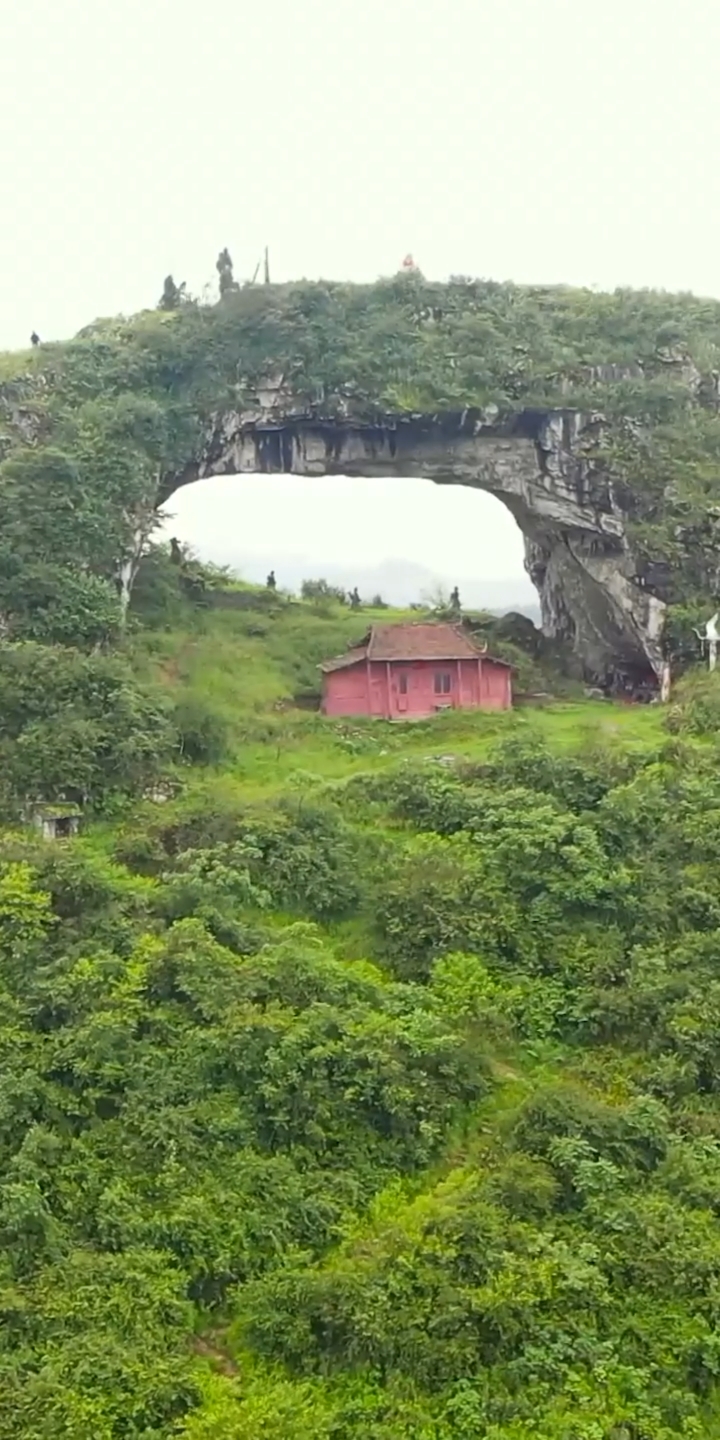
(368,1086)
(357,1082)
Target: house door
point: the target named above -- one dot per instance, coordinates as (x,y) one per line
(401,691)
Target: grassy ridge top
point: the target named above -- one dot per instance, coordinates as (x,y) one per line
(403,343)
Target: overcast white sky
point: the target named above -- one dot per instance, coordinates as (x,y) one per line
(255,522)
(538,140)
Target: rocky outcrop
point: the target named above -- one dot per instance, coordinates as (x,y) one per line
(21,414)
(540,464)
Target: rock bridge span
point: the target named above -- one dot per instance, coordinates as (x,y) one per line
(541,464)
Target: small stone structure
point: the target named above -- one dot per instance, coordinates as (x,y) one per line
(161,792)
(57,821)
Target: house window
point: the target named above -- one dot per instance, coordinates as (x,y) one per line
(442,682)
(402,682)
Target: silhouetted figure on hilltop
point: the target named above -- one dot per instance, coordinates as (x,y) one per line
(455,599)
(355,601)
(271,582)
(176,554)
(34,338)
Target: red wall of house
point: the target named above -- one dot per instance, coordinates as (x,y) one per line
(376,689)
(345,692)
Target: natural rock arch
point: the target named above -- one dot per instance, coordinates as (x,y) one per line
(538,463)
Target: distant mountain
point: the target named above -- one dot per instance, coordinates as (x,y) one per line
(400,582)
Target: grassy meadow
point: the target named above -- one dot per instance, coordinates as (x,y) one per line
(250,666)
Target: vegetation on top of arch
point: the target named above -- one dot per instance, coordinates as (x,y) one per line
(402,344)
(129,398)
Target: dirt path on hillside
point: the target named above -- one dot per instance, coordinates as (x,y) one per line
(210,1347)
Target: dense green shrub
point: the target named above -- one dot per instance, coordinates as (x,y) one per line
(482,1204)
(301,854)
(77,725)
(696,705)
(202,732)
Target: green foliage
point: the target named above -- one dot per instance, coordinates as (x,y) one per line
(356,1095)
(76,725)
(320,592)
(249,1184)
(515,872)
(51,527)
(696,705)
(302,855)
(202,731)
(308,1080)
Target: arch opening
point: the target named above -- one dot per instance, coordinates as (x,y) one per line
(541,465)
(394,537)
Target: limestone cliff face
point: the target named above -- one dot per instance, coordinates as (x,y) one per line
(539,463)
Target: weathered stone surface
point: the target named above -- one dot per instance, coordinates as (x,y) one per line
(540,464)
(20,419)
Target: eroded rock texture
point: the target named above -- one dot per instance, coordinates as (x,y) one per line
(539,464)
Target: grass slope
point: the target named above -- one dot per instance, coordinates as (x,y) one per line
(247,665)
(250,1192)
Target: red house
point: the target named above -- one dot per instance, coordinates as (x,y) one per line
(411,671)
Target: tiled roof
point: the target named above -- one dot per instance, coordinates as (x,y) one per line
(424,640)
(341,662)
(421,641)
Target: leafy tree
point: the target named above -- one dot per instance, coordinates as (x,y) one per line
(439,897)
(320,591)
(696,705)
(203,732)
(76,726)
(302,854)
(51,526)
(125,443)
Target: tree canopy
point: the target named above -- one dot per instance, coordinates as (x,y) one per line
(388,1109)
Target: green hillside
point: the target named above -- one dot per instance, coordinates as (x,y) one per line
(358,1081)
(362,1082)
(250,670)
